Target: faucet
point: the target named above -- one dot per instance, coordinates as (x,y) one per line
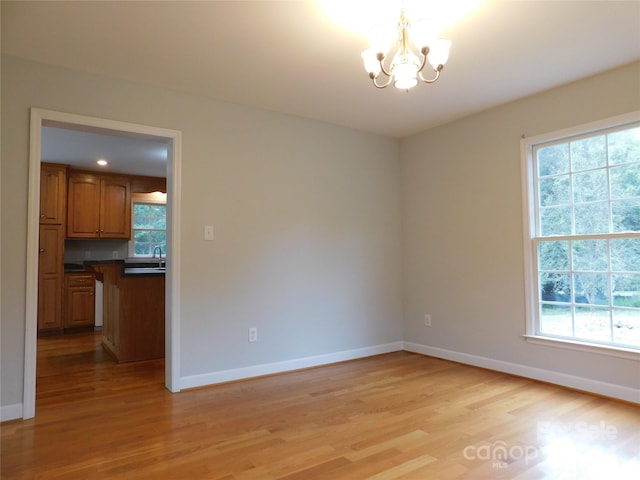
(159,251)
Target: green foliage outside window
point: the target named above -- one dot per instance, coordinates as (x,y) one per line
(149,228)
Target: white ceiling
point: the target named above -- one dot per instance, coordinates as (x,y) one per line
(131,154)
(288,56)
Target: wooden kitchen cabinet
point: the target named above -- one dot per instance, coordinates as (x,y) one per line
(53,194)
(79,308)
(98,206)
(50,279)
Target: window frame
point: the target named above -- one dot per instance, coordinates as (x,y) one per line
(531,237)
(149,199)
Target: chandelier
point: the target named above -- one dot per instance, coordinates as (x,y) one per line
(416,46)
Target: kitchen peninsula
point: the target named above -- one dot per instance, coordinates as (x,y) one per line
(133,309)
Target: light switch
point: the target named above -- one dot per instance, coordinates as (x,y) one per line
(208,232)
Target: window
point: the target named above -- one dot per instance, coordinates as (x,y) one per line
(583,234)
(149,229)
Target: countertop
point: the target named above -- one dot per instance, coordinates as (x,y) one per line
(128,268)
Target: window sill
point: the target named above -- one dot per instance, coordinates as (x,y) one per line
(626,353)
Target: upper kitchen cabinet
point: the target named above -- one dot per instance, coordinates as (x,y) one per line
(53,194)
(99,206)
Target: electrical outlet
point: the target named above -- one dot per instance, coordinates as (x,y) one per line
(253,334)
(427,320)
(114,254)
(208,232)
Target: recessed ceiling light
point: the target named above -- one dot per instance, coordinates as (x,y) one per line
(102,162)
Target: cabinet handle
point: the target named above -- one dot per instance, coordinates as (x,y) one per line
(42,215)
(42,250)
(91,294)
(97,231)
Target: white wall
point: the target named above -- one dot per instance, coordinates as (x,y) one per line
(463,231)
(307,223)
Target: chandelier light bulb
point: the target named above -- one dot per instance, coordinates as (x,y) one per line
(439,52)
(405,72)
(371,63)
(405,76)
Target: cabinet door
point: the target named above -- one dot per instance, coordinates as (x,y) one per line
(115,208)
(83,208)
(50,277)
(80,305)
(53,194)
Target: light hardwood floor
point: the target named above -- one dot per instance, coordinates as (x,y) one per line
(392,416)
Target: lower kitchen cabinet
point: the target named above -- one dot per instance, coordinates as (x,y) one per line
(79,300)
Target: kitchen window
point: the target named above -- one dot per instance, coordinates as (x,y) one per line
(149,225)
(582,241)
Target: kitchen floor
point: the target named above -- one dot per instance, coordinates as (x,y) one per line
(75,367)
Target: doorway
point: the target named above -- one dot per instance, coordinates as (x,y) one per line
(40,118)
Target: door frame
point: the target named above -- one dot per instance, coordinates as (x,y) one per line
(40,117)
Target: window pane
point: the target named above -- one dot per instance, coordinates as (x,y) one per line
(625,254)
(590,186)
(626,216)
(556,320)
(554,191)
(624,146)
(555,287)
(588,153)
(141,236)
(626,290)
(142,249)
(626,326)
(593,323)
(555,221)
(158,238)
(553,255)
(553,159)
(158,216)
(625,181)
(591,288)
(592,218)
(140,216)
(590,255)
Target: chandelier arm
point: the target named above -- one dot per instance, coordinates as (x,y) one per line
(424,51)
(431,80)
(381,85)
(381,57)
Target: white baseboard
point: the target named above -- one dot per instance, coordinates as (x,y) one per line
(10,412)
(579,383)
(285,366)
